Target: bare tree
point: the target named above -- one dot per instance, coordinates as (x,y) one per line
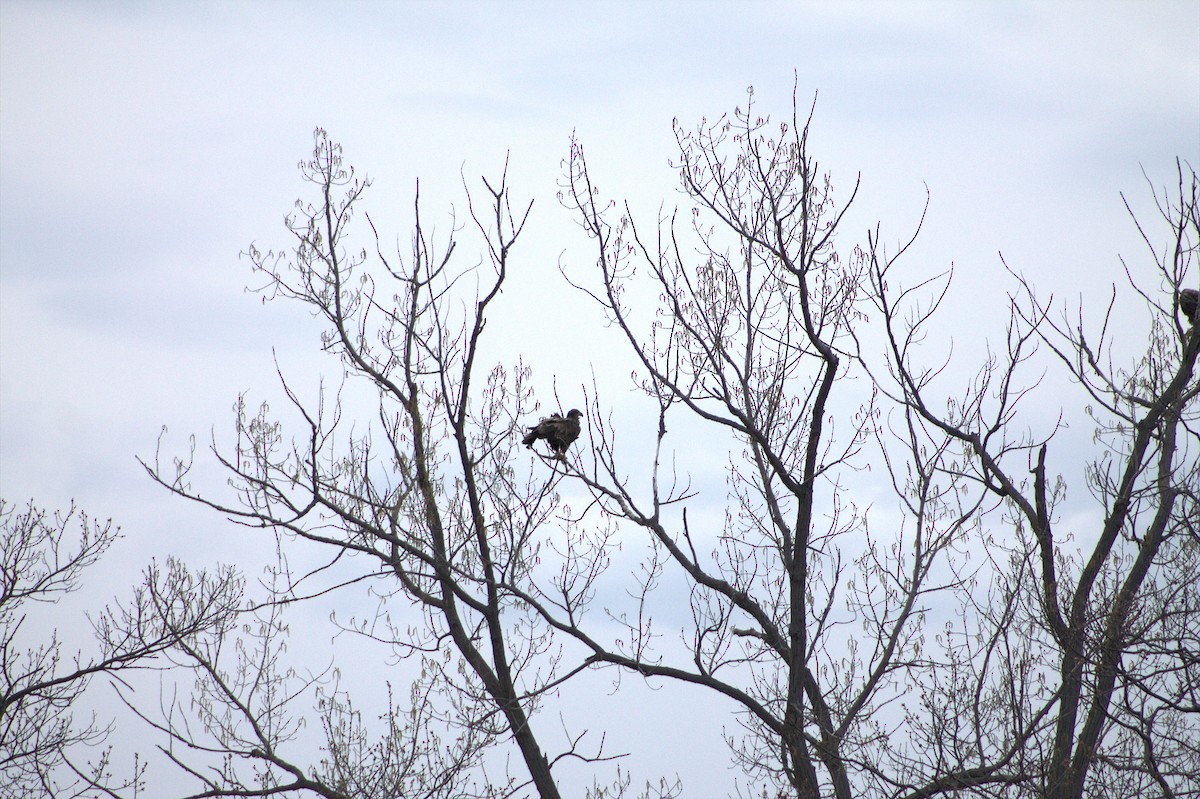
(425,506)
(44,749)
(889,599)
(950,641)
(1119,621)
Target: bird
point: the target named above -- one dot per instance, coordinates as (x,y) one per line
(1189,303)
(557,431)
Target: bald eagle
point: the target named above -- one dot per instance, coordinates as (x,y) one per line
(557,431)
(1189,303)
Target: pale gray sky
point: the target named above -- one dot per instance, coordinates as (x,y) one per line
(144,145)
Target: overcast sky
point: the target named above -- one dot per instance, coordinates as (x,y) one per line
(144,145)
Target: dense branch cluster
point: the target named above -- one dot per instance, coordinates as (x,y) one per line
(891,593)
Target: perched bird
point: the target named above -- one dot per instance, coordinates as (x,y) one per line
(1189,303)
(557,431)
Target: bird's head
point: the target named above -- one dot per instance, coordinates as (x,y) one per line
(1189,303)
(573,414)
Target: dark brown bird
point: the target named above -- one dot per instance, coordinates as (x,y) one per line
(1189,303)
(557,431)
